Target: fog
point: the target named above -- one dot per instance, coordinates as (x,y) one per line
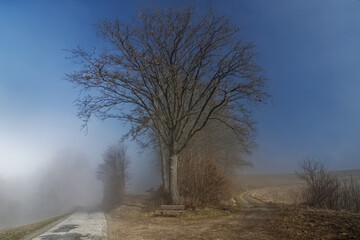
(48,165)
(65,182)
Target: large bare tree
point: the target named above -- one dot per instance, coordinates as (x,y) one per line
(171,71)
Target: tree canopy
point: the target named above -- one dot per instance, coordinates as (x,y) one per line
(171,71)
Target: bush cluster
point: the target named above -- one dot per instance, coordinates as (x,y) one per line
(326,190)
(202,184)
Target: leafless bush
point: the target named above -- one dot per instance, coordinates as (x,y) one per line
(321,186)
(202,184)
(325,190)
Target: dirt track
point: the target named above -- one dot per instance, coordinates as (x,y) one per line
(256,214)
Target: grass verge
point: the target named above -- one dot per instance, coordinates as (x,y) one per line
(19,232)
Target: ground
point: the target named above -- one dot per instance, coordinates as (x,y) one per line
(27,231)
(248,220)
(298,222)
(267,212)
(134,222)
(259,212)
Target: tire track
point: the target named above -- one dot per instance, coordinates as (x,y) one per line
(251,202)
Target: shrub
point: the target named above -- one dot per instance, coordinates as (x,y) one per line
(202,184)
(325,190)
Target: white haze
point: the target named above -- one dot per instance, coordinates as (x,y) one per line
(37,180)
(64,183)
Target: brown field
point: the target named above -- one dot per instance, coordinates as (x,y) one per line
(279,188)
(271,188)
(247,182)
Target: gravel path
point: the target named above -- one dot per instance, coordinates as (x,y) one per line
(78,226)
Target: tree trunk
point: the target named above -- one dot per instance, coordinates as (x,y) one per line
(174,193)
(164,168)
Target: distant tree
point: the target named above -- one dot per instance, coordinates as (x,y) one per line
(172,71)
(113,174)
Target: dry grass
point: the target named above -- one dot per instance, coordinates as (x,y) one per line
(15,233)
(134,223)
(297,222)
(284,221)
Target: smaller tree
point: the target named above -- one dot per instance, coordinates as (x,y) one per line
(321,186)
(325,189)
(113,174)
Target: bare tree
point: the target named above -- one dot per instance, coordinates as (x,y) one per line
(172,71)
(113,173)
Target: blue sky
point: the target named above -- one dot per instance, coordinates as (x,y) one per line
(309,50)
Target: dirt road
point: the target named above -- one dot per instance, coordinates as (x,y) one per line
(256,215)
(80,225)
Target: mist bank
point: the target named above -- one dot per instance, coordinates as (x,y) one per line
(66,182)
